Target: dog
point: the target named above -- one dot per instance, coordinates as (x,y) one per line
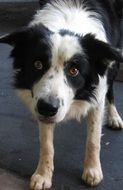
(65,62)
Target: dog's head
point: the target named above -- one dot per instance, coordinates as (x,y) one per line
(57,68)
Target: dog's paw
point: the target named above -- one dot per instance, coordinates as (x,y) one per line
(115,122)
(92,176)
(40,182)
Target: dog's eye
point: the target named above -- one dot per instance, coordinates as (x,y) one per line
(38,65)
(73,71)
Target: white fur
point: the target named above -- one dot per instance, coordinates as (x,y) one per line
(42,178)
(26,97)
(92,173)
(66,15)
(114,119)
(64,48)
(81,108)
(78,109)
(100,90)
(54,87)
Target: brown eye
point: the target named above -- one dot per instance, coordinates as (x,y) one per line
(38,65)
(73,71)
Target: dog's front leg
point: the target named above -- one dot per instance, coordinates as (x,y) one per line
(42,178)
(92,174)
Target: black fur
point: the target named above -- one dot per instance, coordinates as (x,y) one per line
(31,44)
(80,62)
(94,62)
(64,32)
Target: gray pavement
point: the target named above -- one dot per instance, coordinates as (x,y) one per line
(9,181)
(19,143)
(12,16)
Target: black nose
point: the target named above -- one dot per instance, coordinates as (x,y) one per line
(48,108)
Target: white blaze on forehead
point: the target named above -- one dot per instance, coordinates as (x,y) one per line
(64,48)
(70,16)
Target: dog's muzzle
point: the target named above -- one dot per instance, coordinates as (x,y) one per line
(47,109)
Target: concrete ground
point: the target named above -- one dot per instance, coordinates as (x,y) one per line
(19,144)
(11,17)
(9,181)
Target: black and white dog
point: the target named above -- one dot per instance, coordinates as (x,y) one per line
(65,62)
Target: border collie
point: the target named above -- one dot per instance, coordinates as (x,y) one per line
(65,62)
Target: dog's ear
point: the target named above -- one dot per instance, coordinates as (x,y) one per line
(25,34)
(14,37)
(100,51)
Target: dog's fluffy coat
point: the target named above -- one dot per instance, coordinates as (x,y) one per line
(65,62)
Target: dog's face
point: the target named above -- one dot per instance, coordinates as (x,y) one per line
(56,67)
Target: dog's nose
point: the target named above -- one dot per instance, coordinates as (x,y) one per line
(48,108)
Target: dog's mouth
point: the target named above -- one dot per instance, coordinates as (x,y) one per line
(47,120)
